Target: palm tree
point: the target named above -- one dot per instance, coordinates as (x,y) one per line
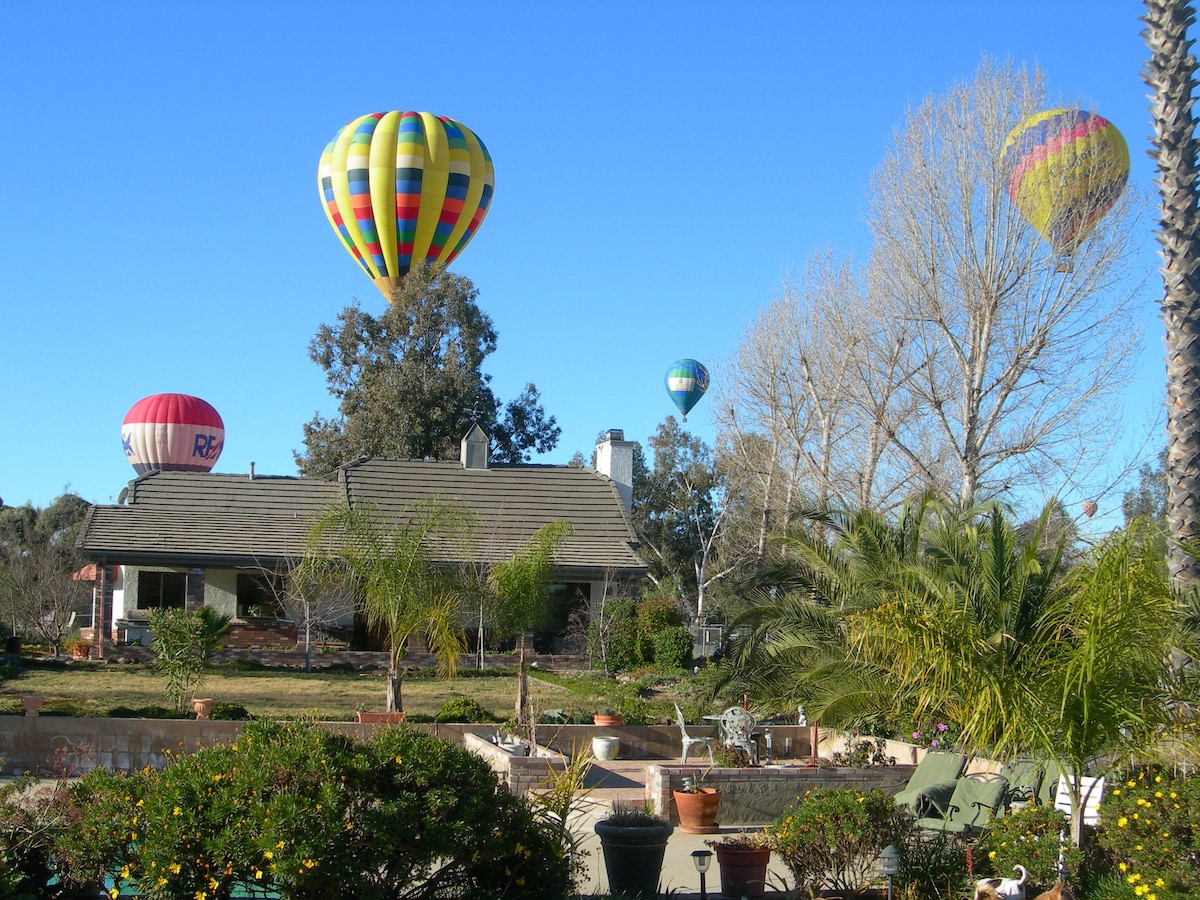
(519,585)
(1171,75)
(400,589)
(961,614)
(794,648)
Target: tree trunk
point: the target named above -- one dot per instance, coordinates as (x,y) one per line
(395,699)
(1170,73)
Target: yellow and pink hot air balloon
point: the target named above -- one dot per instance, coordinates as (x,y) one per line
(172,432)
(402,189)
(1065,169)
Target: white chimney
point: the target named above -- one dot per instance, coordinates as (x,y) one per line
(614,458)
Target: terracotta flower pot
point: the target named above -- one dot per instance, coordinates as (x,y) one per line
(31,703)
(607,721)
(743,871)
(379,718)
(202,707)
(697,810)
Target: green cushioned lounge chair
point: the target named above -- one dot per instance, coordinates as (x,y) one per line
(1024,776)
(932,783)
(976,800)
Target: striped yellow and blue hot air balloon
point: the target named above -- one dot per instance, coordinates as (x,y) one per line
(686,380)
(404,188)
(1065,169)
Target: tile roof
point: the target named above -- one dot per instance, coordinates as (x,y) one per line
(197,519)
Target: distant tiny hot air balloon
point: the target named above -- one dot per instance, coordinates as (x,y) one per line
(1089,508)
(1065,169)
(404,188)
(172,432)
(687,380)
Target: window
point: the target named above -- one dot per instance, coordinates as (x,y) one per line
(258,595)
(161,590)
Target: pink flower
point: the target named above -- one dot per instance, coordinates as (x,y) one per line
(916,735)
(933,743)
(942,726)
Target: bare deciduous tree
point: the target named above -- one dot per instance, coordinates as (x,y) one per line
(1017,359)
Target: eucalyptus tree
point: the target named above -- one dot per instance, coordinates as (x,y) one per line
(1171,75)
(410,381)
(401,572)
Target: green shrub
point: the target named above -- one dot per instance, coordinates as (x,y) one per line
(673,647)
(144,712)
(27,827)
(1029,837)
(293,808)
(1149,831)
(230,712)
(830,839)
(464,709)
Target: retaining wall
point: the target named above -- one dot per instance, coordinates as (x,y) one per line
(759,795)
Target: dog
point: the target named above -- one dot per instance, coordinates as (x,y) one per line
(1060,891)
(1003,888)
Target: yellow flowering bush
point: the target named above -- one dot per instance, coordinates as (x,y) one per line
(1030,837)
(1150,832)
(295,810)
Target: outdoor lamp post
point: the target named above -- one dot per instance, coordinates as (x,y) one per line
(889,864)
(702,859)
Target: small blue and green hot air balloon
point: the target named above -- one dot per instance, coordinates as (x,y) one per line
(687,380)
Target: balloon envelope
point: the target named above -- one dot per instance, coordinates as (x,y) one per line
(172,432)
(1089,508)
(687,380)
(404,188)
(1065,169)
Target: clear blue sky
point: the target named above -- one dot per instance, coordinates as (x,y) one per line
(659,167)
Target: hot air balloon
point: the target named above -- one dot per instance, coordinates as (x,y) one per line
(687,380)
(404,188)
(1065,169)
(172,432)
(1089,508)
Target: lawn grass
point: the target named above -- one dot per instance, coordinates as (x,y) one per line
(86,688)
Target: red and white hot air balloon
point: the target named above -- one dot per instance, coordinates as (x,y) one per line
(1089,508)
(172,432)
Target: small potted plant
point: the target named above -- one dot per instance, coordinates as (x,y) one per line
(743,858)
(697,806)
(633,840)
(77,648)
(607,717)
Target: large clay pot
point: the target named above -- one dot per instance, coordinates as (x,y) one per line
(633,857)
(607,721)
(202,706)
(697,810)
(31,703)
(743,871)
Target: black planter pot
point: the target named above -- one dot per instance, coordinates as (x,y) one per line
(633,857)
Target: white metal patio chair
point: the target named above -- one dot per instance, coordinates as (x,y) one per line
(689,741)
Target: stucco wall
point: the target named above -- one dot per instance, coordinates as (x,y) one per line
(220,591)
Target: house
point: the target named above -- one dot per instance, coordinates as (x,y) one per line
(192,539)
